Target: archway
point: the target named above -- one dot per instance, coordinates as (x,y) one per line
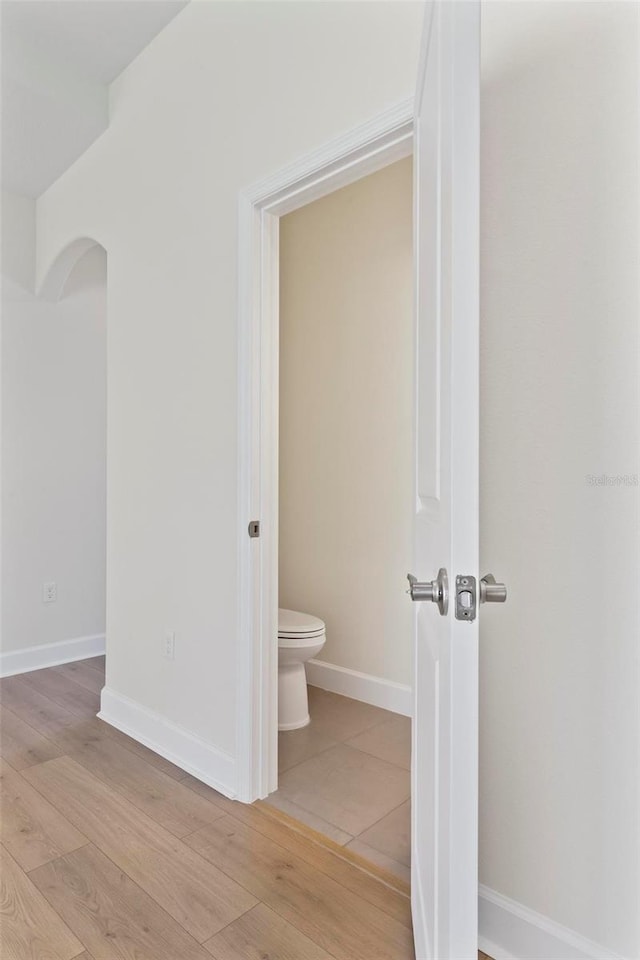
(55,278)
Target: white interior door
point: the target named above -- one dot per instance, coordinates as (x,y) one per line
(445,740)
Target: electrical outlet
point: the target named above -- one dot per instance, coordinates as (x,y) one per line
(49,592)
(169,645)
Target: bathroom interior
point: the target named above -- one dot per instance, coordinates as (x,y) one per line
(345,536)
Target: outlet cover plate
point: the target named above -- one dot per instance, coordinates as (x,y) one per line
(49,592)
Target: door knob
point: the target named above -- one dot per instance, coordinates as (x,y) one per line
(491,591)
(437,591)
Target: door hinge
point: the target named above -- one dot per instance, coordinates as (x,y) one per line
(254,528)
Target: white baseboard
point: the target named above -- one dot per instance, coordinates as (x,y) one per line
(174,743)
(361,686)
(510,931)
(50,654)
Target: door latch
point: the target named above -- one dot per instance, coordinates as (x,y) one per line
(467,595)
(254,528)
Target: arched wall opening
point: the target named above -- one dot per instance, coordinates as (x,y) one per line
(53,284)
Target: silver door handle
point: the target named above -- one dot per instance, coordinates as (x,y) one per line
(491,591)
(437,591)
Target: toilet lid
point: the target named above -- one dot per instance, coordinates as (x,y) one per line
(291,623)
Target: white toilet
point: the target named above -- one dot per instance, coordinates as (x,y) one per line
(300,637)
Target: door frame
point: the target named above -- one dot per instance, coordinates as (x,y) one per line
(364,150)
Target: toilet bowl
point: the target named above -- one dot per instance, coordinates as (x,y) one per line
(300,637)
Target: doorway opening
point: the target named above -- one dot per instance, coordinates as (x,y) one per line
(346,357)
(349,166)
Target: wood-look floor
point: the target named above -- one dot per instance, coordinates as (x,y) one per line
(110,852)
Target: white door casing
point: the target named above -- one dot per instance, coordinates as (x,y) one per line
(445,727)
(384,140)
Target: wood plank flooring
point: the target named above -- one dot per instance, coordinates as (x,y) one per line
(32,829)
(21,745)
(30,926)
(110,852)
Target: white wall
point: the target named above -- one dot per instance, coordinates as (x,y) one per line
(560,692)
(53,447)
(50,111)
(18,231)
(346,408)
(225,95)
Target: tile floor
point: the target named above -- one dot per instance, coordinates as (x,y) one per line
(347,775)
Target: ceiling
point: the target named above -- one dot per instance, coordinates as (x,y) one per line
(58,58)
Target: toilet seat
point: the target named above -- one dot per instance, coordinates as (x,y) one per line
(309,640)
(296,626)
